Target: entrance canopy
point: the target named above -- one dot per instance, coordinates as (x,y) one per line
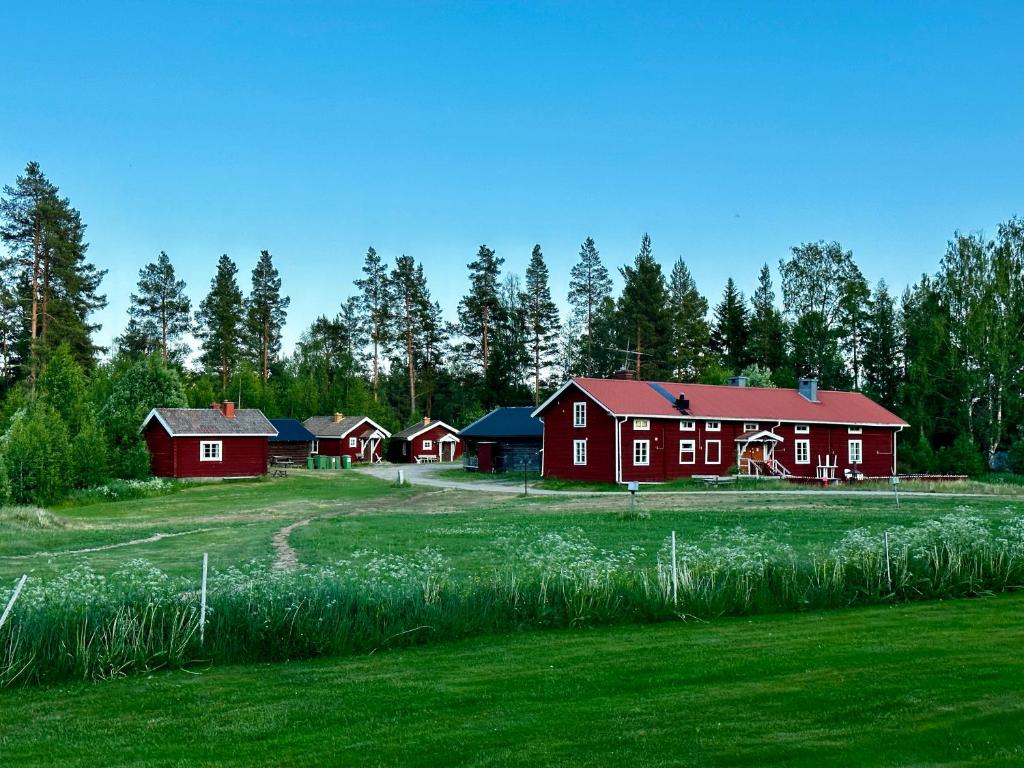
(761,436)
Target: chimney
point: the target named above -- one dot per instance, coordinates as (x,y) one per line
(738,381)
(229,409)
(626,374)
(216,407)
(338,417)
(426,421)
(809,389)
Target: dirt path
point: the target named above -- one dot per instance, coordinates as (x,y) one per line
(86,550)
(285,556)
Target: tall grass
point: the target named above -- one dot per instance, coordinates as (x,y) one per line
(85,626)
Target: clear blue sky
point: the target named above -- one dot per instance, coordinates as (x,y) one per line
(729,132)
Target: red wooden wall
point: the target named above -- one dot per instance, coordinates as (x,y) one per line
(179,456)
(407,450)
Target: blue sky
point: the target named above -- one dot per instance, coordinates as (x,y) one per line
(728,132)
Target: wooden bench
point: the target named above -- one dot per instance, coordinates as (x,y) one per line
(427,460)
(716,481)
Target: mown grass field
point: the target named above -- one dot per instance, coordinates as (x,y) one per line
(921,684)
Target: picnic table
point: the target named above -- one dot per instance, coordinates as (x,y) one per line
(280,466)
(715,480)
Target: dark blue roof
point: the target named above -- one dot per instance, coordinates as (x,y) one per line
(506,422)
(291,431)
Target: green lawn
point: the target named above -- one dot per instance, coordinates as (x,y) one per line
(920,684)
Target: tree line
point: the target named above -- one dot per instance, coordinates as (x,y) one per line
(943,354)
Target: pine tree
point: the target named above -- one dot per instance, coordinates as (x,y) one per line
(690,332)
(730,328)
(160,313)
(816,352)
(541,319)
(219,322)
(478,308)
(643,311)
(766,345)
(375,308)
(432,341)
(882,356)
(410,305)
(589,286)
(265,313)
(510,360)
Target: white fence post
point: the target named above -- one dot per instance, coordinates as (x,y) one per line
(675,596)
(401,477)
(14,597)
(202,601)
(888,570)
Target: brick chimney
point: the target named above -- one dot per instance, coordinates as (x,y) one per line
(338,417)
(229,409)
(426,421)
(626,374)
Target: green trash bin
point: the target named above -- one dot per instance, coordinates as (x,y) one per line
(334,462)
(346,462)
(309,462)
(321,462)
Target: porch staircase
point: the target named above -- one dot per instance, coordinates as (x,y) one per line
(769,468)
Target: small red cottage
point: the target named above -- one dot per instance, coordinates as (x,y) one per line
(219,441)
(424,442)
(358,437)
(620,430)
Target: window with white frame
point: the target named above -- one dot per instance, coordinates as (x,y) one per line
(855,451)
(579,414)
(802,429)
(713,426)
(855,430)
(210,450)
(428,445)
(750,426)
(803,451)
(713,452)
(579,452)
(641,425)
(687,451)
(316,447)
(353,442)
(641,453)
(687,425)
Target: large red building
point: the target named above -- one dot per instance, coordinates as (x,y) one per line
(358,437)
(621,430)
(220,441)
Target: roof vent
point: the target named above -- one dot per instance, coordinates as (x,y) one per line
(625,374)
(738,381)
(809,389)
(682,403)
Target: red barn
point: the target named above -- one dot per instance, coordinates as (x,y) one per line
(358,437)
(619,430)
(219,441)
(425,441)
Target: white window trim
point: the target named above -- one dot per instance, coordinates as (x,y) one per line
(709,428)
(860,451)
(220,450)
(579,414)
(353,442)
(801,429)
(707,451)
(646,425)
(316,447)
(577,454)
(428,445)
(796,451)
(855,430)
(647,453)
(690,449)
(751,426)
(687,425)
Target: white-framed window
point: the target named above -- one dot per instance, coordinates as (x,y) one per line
(428,445)
(316,447)
(641,425)
(687,425)
(579,452)
(210,450)
(803,451)
(802,429)
(750,426)
(641,453)
(855,450)
(713,426)
(353,442)
(855,430)
(712,451)
(687,451)
(579,414)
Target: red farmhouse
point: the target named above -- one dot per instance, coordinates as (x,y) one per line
(219,441)
(357,437)
(426,441)
(619,430)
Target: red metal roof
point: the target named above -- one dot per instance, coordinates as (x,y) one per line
(640,398)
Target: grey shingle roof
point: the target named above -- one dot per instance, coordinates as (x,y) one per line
(326,426)
(418,427)
(209,421)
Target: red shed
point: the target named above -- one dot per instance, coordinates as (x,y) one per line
(618,430)
(358,437)
(426,441)
(219,441)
